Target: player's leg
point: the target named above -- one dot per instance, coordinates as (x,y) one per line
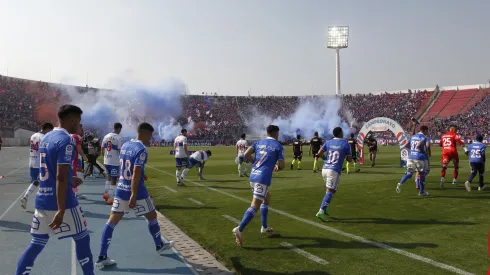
(32,186)
(374,159)
(240,162)
(154,229)
(27,259)
(331,179)
(474,171)
(481,172)
(259,195)
(117,213)
(444,162)
(264,212)
(422,173)
(417,180)
(107,184)
(300,158)
(456,168)
(247,168)
(411,168)
(293,162)
(315,162)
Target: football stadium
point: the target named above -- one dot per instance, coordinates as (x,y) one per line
(373,182)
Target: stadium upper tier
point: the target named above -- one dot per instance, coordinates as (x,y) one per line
(27,103)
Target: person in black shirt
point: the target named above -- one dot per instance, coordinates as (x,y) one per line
(373,149)
(297,152)
(93,147)
(353,147)
(315,145)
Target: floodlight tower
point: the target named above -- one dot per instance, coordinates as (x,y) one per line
(338,38)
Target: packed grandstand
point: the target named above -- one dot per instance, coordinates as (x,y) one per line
(25,104)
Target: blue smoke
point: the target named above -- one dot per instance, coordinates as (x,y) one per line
(130,105)
(315,115)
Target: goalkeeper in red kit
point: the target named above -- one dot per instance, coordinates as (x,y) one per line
(449,142)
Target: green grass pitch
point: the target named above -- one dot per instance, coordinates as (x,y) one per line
(450,227)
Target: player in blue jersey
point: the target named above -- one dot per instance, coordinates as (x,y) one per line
(131,193)
(56,208)
(269,158)
(476,151)
(337,150)
(418,159)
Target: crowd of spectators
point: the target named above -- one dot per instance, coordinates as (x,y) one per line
(26,104)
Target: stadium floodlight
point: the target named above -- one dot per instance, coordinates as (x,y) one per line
(338,38)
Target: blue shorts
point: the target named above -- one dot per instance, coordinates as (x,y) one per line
(112,170)
(181,162)
(194,163)
(34,174)
(241,159)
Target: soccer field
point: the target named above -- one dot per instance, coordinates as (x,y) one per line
(373,230)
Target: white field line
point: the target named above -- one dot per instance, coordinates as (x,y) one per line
(230,218)
(339,232)
(305,254)
(195,201)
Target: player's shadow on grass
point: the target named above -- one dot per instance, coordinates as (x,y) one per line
(7,226)
(331,243)
(393,221)
(163,207)
(242,270)
(212,180)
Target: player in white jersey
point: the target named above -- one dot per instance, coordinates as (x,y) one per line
(197,159)
(34,160)
(181,155)
(111,145)
(241,147)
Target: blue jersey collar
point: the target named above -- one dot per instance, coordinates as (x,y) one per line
(61,129)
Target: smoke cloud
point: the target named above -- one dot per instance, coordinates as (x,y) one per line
(131,104)
(313,115)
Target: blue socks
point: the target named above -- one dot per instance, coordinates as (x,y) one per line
(26,261)
(154,228)
(247,217)
(417,181)
(406,177)
(106,239)
(422,182)
(84,254)
(326,201)
(264,211)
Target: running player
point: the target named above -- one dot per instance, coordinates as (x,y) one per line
(131,192)
(268,152)
(297,152)
(111,144)
(476,150)
(34,161)
(353,148)
(450,153)
(241,147)
(181,155)
(197,159)
(315,145)
(56,208)
(417,159)
(337,150)
(373,150)
(77,163)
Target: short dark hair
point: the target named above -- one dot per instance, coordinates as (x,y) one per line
(117,126)
(90,137)
(208,152)
(81,125)
(47,126)
(479,138)
(337,131)
(453,126)
(298,137)
(424,128)
(145,126)
(315,134)
(243,135)
(183,131)
(271,129)
(352,135)
(67,110)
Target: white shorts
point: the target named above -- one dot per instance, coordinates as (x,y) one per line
(331,178)
(73,223)
(414,165)
(259,190)
(142,207)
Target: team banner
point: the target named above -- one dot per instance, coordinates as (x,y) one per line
(383,124)
(189,143)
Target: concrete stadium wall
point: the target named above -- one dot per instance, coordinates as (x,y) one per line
(23,134)
(10,142)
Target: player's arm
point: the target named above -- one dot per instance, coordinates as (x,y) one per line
(64,162)
(309,151)
(140,161)
(81,153)
(322,150)
(459,141)
(249,152)
(236,146)
(62,174)
(301,148)
(280,159)
(429,151)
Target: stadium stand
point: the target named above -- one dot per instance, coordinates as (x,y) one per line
(27,103)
